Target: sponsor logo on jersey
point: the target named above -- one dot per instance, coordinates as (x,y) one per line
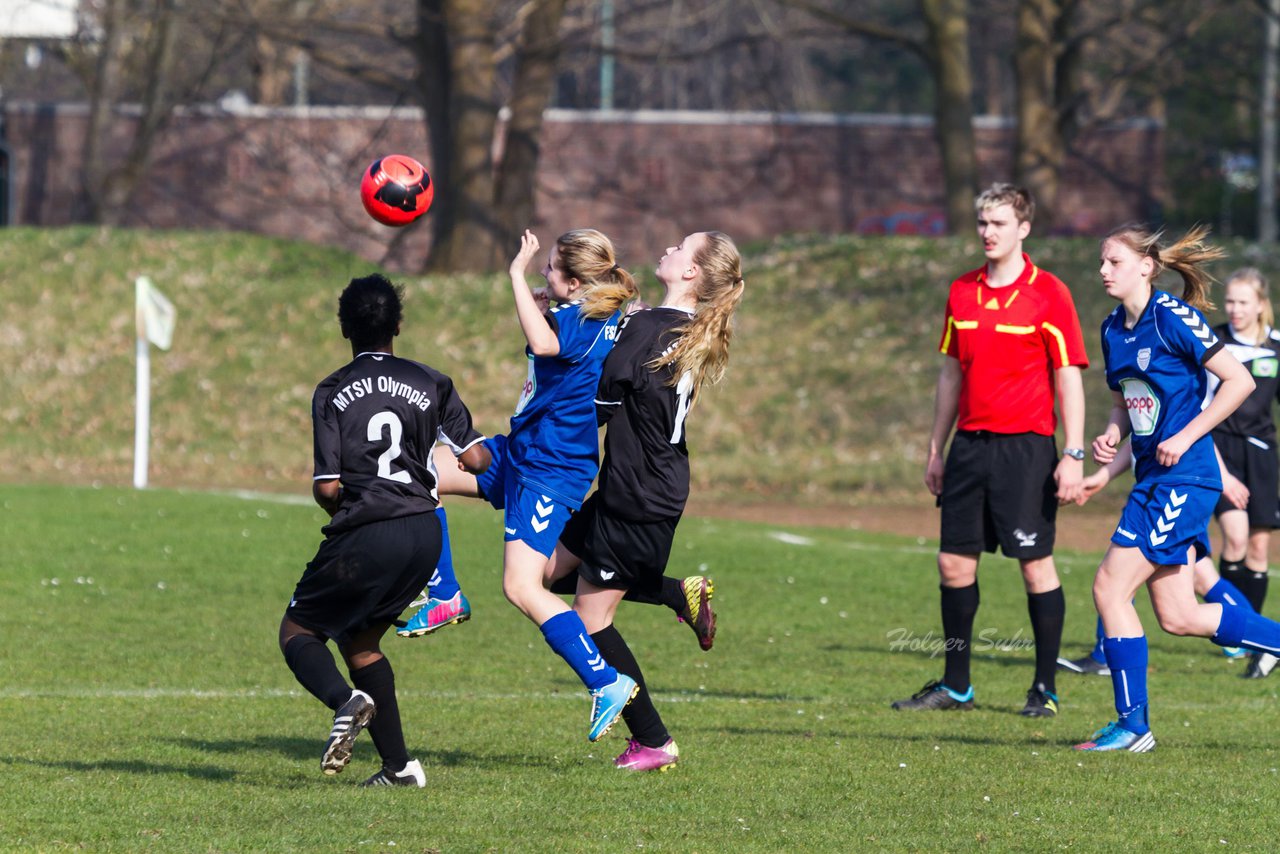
(1143,406)
(529,390)
(1144,358)
(1264,367)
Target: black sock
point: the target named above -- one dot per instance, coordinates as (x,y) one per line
(314,668)
(1255,589)
(959,606)
(379,682)
(641,717)
(1047,612)
(1235,572)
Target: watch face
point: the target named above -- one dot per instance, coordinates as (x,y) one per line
(1074,453)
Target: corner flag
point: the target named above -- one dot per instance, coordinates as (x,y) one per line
(155,316)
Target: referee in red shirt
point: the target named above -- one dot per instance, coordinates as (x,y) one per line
(1012,339)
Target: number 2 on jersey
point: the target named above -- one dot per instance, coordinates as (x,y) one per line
(394,427)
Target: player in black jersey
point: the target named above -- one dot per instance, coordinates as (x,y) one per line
(621,538)
(1247,443)
(375,422)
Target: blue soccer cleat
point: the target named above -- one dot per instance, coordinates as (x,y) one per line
(1115,737)
(607,704)
(436,614)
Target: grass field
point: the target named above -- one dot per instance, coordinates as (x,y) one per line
(144,706)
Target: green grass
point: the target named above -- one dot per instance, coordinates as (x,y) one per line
(828,399)
(145,706)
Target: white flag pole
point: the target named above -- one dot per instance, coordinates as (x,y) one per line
(155,316)
(142,414)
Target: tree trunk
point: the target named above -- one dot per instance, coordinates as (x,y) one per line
(948,43)
(457,41)
(102,103)
(1040,147)
(1267,141)
(157,107)
(537,55)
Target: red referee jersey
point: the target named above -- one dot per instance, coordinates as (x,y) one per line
(1009,341)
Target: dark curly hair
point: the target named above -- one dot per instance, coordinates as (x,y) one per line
(369,310)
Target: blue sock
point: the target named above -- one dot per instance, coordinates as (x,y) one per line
(1226,594)
(443,584)
(1127,658)
(566,634)
(1098,655)
(1240,627)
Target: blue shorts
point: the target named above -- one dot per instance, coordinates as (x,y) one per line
(1165,520)
(529,515)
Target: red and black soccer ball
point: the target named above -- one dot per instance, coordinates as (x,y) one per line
(396,190)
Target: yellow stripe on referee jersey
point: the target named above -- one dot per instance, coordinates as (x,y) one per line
(1063,360)
(1015,330)
(952,323)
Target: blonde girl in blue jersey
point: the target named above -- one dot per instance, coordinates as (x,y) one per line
(543,467)
(1157,350)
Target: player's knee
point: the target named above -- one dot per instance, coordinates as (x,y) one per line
(1177,621)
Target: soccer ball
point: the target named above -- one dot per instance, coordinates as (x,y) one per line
(396,190)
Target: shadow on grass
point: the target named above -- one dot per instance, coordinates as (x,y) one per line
(130,766)
(308,749)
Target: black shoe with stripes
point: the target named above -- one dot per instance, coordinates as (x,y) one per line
(351,717)
(411,775)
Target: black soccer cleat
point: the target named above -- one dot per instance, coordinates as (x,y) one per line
(411,775)
(935,696)
(1260,665)
(351,717)
(1041,702)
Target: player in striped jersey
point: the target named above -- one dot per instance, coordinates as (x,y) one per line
(621,539)
(544,465)
(1158,351)
(1247,441)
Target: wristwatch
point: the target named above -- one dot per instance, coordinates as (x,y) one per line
(1074,453)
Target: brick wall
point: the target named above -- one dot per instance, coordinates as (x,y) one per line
(645,178)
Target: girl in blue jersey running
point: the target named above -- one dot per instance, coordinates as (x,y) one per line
(1158,350)
(544,465)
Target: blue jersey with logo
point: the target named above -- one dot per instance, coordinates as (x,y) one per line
(1158,366)
(554,443)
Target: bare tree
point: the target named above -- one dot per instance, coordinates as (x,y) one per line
(944,47)
(1076,63)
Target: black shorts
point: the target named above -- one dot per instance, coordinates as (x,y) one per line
(618,553)
(1253,461)
(366,576)
(998,489)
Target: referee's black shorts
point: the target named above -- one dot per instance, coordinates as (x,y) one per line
(998,489)
(618,553)
(1254,462)
(366,576)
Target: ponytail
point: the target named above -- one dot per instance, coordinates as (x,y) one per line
(587,255)
(702,350)
(1186,257)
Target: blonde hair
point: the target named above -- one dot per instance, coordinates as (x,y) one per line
(1019,198)
(587,255)
(1186,257)
(702,350)
(1253,276)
